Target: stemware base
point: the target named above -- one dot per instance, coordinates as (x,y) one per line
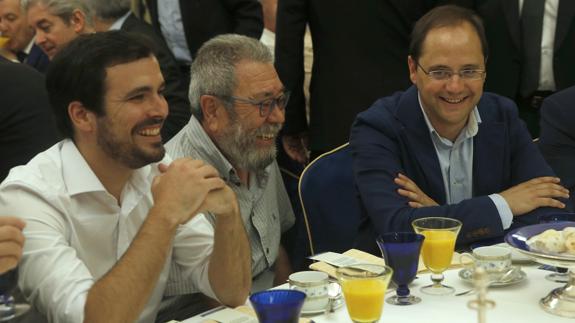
(7,309)
(561,301)
(403,300)
(437,290)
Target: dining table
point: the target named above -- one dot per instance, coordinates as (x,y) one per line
(516,303)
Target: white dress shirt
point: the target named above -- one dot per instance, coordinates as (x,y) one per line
(76,232)
(456,163)
(172,27)
(546,75)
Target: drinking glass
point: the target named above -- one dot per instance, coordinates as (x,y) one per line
(437,251)
(3,40)
(401,252)
(278,305)
(8,282)
(561,275)
(363,288)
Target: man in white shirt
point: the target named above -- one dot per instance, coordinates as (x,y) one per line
(106,211)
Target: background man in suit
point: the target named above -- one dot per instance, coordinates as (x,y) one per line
(116,14)
(355,63)
(187,24)
(27,125)
(445,148)
(57,22)
(14,25)
(557,139)
(533,45)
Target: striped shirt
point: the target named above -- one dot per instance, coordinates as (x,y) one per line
(264,204)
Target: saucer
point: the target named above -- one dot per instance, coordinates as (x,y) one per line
(337,304)
(466,275)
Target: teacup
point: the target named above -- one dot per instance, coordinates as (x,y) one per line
(495,260)
(315,285)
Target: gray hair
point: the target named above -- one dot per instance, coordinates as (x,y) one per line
(109,9)
(213,69)
(62,8)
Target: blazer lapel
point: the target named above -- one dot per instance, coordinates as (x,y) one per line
(565,16)
(417,136)
(511,12)
(487,169)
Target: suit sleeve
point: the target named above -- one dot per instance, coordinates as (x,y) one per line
(290,31)
(247,16)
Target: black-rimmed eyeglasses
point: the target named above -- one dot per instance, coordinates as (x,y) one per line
(445,74)
(266,106)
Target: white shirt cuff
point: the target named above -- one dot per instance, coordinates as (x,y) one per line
(504,211)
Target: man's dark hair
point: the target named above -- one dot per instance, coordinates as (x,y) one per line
(445,16)
(78,71)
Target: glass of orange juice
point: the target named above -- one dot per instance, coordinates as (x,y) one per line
(437,250)
(3,40)
(364,288)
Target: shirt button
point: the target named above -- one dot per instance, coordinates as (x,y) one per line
(267,250)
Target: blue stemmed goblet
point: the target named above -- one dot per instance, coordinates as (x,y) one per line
(8,281)
(401,252)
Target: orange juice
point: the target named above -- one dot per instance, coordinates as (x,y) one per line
(437,249)
(364,298)
(3,40)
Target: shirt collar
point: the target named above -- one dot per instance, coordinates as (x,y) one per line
(80,178)
(29,47)
(471,128)
(117,25)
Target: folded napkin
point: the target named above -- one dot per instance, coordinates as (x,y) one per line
(365,257)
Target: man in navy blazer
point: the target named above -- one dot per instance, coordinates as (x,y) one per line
(444,148)
(557,138)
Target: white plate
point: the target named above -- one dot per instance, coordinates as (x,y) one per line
(516,256)
(467,275)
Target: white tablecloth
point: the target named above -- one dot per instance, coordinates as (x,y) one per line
(514,304)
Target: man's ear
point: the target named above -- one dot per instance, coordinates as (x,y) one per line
(82,119)
(412,69)
(210,106)
(78,21)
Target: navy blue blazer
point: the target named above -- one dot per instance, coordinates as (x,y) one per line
(557,137)
(392,137)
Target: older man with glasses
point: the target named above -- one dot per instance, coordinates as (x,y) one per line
(238,107)
(444,148)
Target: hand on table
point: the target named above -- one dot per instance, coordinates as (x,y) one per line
(535,193)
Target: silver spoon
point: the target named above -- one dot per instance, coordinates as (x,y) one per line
(505,278)
(333,293)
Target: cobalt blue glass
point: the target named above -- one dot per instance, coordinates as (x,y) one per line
(401,252)
(278,305)
(8,281)
(561,275)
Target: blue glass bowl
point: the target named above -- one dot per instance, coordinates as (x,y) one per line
(278,305)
